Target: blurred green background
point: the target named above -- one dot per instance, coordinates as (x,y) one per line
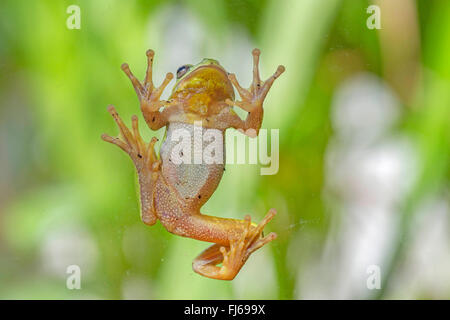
(364,120)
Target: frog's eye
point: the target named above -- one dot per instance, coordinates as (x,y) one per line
(182,70)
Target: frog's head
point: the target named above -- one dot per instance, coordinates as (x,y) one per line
(202,84)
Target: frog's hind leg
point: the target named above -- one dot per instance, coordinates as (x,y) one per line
(144,158)
(233,256)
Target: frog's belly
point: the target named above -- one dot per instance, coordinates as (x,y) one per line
(187,177)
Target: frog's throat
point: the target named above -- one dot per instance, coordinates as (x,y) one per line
(211,77)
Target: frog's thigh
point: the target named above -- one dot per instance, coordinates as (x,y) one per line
(211,229)
(186,222)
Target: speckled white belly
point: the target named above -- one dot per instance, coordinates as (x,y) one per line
(188,178)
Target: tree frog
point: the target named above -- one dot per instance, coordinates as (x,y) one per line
(174,193)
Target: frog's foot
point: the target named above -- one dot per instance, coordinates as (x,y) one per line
(144,158)
(148,95)
(253,97)
(240,249)
(143,154)
(234,256)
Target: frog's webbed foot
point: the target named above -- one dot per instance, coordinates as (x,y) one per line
(149,95)
(253,97)
(240,249)
(234,256)
(144,158)
(143,154)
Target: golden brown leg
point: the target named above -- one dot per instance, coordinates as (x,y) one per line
(234,256)
(144,158)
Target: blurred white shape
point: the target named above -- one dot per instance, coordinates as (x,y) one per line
(363,109)
(369,171)
(425,272)
(69,245)
(377,174)
(366,236)
(362,238)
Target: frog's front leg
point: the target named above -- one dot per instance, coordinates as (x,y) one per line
(149,95)
(252,98)
(144,158)
(233,256)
